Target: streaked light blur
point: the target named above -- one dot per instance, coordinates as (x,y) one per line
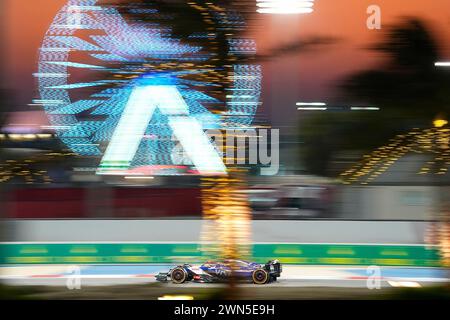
(116,117)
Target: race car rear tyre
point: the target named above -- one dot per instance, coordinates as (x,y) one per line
(178,275)
(260,276)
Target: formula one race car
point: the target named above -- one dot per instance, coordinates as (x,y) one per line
(221,271)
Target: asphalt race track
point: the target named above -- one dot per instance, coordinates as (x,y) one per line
(292,276)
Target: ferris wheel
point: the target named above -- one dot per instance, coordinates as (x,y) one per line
(125,83)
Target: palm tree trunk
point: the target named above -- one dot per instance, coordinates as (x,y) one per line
(226,226)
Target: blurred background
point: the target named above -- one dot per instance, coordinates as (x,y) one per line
(364,137)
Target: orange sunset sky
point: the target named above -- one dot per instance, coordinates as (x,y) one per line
(290,78)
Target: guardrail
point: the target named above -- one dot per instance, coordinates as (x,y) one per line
(146,253)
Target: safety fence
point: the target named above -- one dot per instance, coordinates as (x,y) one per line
(150,253)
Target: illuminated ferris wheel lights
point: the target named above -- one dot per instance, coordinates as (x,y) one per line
(141,53)
(285,6)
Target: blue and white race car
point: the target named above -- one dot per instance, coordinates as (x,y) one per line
(221,271)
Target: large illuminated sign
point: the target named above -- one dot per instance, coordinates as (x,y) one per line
(122,89)
(141,106)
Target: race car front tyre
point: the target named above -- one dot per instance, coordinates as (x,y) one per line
(260,276)
(178,275)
